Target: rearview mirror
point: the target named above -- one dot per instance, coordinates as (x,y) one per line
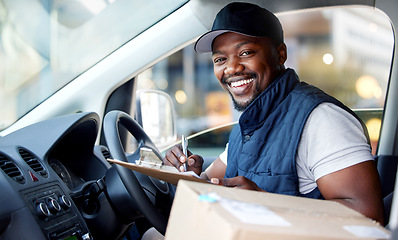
(155,113)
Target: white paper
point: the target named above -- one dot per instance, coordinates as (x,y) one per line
(366,232)
(253,213)
(191,173)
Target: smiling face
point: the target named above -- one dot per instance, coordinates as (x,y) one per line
(246,66)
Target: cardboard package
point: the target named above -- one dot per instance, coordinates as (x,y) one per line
(206,211)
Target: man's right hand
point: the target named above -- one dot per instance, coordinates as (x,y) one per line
(175,157)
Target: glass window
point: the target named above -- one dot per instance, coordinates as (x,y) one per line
(44,44)
(347,52)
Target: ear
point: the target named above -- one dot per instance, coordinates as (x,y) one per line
(282,52)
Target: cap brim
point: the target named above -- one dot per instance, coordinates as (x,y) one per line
(203,44)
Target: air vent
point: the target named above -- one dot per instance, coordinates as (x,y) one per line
(106,153)
(33,162)
(11,169)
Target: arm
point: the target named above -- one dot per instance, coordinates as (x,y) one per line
(334,149)
(215,170)
(357,187)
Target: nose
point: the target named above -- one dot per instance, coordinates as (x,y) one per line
(233,66)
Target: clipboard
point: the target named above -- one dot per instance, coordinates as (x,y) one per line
(150,165)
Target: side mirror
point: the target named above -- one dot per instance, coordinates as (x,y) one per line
(155,113)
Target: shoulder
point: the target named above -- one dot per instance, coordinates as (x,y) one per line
(332,139)
(333,116)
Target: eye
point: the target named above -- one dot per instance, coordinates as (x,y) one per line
(218,60)
(246,53)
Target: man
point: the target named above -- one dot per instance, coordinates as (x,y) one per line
(292,138)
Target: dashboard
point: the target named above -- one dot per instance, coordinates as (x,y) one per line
(47,174)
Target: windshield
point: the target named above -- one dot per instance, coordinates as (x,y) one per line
(45,44)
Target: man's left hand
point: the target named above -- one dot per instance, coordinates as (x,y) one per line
(236,182)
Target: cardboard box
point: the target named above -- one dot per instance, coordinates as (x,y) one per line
(206,211)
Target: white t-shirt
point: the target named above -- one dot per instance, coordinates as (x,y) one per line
(332,140)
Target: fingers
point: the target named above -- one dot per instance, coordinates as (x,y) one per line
(175,157)
(236,182)
(216,181)
(195,161)
(227,182)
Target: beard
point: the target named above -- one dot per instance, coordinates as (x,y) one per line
(241,106)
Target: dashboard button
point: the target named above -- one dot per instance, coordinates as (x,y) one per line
(53,206)
(64,202)
(42,210)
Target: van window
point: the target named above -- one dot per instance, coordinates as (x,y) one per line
(347,52)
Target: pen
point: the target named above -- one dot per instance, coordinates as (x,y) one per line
(184,143)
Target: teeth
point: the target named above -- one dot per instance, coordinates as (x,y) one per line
(241,82)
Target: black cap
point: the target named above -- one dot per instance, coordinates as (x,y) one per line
(243,18)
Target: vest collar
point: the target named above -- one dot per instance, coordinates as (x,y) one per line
(269,100)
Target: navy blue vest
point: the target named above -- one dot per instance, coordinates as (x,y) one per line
(263,146)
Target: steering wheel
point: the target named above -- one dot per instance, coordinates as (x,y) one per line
(132,196)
